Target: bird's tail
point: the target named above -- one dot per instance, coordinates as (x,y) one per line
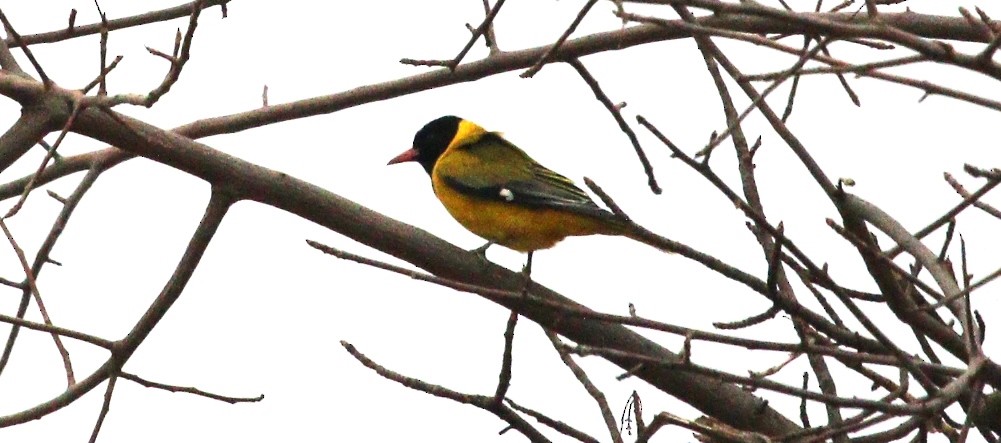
(615,224)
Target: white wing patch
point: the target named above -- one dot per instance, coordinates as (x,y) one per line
(506,194)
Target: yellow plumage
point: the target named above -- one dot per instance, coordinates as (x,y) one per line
(498,192)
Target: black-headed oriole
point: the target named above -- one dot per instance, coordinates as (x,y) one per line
(496,191)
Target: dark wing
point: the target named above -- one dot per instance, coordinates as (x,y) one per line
(503,172)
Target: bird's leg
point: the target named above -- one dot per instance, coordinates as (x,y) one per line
(527,273)
(482,250)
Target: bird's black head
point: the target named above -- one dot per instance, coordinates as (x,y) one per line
(430,142)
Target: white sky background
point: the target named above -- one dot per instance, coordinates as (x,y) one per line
(264,312)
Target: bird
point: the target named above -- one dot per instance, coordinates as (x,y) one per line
(498,192)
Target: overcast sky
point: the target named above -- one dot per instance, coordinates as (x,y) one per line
(264,312)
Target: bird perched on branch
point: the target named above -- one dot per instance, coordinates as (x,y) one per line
(496,191)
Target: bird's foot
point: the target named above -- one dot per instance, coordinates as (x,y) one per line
(526,284)
(526,273)
(482,250)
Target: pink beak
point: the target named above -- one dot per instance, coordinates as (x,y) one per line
(407,156)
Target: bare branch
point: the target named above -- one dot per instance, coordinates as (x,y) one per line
(105,407)
(504,380)
(481,401)
(558,426)
(13,35)
(219,203)
(559,42)
(616,112)
(189,390)
(30,277)
(454,63)
(72,31)
(592,390)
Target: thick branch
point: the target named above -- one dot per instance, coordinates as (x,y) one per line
(244,180)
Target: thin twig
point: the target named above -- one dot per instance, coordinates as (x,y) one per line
(958,187)
(105,407)
(73,31)
(504,379)
(617,115)
(556,425)
(453,63)
(559,42)
(484,402)
(592,390)
(189,390)
(951,214)
(77,108)
(29,275)
(27,52)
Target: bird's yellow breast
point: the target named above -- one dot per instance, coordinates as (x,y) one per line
(506,223)
(517,227)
